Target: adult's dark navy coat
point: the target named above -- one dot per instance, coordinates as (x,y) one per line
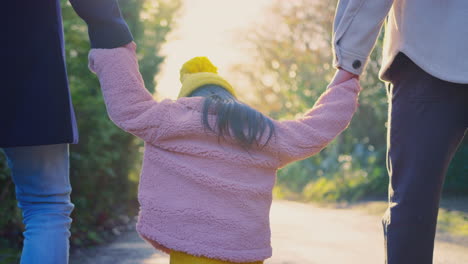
(35,103)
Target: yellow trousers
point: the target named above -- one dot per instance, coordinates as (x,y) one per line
(183,258)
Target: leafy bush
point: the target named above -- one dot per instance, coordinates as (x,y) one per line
(104,165)
(290,67)
(10,216)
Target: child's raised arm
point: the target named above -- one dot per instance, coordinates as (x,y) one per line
(308,135)
(129,105)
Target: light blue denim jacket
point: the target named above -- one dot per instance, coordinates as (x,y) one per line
(433,33)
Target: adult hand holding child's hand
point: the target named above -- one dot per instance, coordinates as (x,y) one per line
(342,76)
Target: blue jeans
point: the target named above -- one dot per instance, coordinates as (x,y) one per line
(41,177)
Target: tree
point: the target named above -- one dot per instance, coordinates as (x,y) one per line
(105,164)
(290,67)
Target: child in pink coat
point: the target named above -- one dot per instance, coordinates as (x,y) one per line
(210,161)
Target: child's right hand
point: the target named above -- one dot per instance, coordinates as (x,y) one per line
(92,56)
(129,104)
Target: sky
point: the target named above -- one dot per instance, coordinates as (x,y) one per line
(206,28)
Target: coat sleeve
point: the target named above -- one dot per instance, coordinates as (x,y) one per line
(308,135)
(129,104)
(356,28)
(106,27)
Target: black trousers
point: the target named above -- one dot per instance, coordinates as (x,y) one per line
(428,118)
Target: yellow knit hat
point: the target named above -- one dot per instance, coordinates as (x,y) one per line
(198,72)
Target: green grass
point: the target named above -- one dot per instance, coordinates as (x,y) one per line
(453,222)
(452,219)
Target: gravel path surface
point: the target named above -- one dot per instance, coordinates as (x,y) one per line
(301,234)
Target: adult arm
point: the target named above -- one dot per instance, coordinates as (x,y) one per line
(356,28)
(106,27)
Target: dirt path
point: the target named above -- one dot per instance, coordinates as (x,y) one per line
(302,234)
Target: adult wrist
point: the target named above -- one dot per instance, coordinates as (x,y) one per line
(109,36)
(349,61)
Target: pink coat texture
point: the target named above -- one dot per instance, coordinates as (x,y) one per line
(197,194)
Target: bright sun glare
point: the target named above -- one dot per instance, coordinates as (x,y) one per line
(206,28)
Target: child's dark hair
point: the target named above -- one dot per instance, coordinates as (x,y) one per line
(233,118)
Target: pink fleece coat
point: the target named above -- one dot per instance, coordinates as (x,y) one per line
(199,195)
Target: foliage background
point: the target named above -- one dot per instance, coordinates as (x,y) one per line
(104,164)
(290,66)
